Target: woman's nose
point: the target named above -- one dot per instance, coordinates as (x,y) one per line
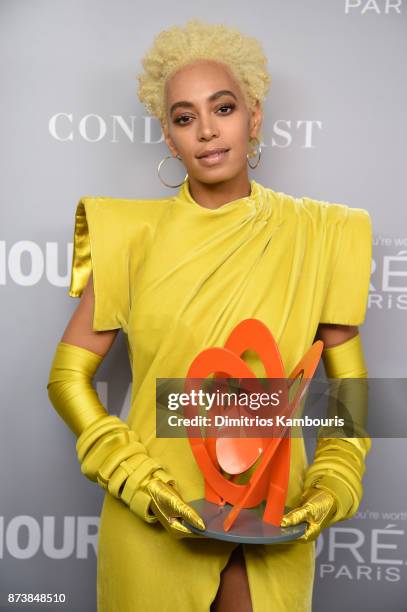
(207,128)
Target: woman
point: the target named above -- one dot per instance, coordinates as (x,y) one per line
(176,275)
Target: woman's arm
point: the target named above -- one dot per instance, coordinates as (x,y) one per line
(332,334)
(333,482)
(79,329)
(109,452)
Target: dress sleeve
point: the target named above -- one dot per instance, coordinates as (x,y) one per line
(101,246)
(348,288)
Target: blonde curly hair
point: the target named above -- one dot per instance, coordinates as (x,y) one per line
(177,47)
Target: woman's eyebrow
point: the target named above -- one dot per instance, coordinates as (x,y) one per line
(214,96)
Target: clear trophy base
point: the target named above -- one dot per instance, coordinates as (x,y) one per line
(248,528)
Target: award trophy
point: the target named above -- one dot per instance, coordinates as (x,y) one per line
(248,513)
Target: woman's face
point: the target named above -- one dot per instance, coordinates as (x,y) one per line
(201,115)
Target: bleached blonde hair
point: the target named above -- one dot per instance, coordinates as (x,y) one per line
(177,47)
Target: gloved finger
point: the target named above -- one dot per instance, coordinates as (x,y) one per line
(188,533)
(298,515)
(311,533)
(178,530)
(190,515)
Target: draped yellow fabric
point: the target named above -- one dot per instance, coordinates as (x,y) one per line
(176,277)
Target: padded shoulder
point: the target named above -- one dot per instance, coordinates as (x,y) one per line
(108,240)
(349,238)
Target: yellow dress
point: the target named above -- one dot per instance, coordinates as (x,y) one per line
(177,277)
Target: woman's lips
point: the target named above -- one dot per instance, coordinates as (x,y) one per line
(214,158)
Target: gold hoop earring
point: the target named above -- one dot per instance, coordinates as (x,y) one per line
(253,153)
(159,167)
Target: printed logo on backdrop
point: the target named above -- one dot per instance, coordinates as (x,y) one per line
(93,128)
(374,552)
(377,7)
(62,537)
(388,287)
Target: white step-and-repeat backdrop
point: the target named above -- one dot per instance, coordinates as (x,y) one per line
(71,125)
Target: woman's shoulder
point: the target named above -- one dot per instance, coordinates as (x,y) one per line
(124,208)
(328,214)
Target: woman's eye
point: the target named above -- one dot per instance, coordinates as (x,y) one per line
(230,106)
(180,119)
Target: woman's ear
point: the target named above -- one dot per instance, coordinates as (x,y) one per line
(256,119)
(168,140)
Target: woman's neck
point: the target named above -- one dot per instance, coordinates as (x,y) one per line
(214,195)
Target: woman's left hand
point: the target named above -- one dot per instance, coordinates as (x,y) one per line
(317,507)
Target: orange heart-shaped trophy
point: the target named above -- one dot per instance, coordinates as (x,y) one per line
(269,481)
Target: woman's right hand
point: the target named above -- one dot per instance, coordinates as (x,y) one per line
(168,506)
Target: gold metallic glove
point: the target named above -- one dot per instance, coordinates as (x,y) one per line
(317,507)
(339,462)
(108,451)
(168,505)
